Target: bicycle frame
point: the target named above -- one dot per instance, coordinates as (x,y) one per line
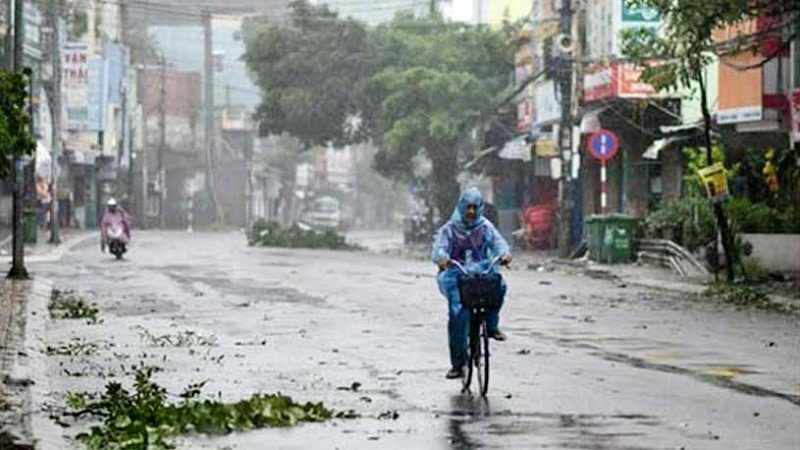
(478,336)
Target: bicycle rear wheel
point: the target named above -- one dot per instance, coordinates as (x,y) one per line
(484,380)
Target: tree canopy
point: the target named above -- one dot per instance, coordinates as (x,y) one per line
(15,137)
(412,85)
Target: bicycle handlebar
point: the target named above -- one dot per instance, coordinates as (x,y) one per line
(486,272)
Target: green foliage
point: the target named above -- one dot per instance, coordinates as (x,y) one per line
(753,271)
(748,217)
(413,85)
(272,234)
(77,347)
(186,338)
(747,297)
(684,44)
(307,72)
(68,305)
(696,160)
(144,419)
(15,136)
(689,221)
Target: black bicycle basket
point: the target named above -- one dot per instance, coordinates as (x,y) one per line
(481,291)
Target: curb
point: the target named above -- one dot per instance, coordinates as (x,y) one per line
(30,369)
(46,433)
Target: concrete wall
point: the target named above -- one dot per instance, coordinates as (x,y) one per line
(777,252)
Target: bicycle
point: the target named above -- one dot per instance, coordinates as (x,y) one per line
(480,292)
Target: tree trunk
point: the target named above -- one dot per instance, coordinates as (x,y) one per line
(444,184)
(722,221)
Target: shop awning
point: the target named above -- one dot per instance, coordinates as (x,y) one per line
(675,134)
(517,148)
(481,154)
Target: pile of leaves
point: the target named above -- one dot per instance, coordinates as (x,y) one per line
(748,297)
(272,234)
(144,419)
(186,338)
(78,347)
(68,305)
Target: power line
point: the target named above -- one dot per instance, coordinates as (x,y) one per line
(149,7)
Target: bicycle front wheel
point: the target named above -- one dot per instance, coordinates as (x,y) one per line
(484,339)
(472,351)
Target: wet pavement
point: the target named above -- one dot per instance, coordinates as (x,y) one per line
(590,363)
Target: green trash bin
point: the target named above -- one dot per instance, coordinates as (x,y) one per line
(29,226)
(618,235)
(596,225)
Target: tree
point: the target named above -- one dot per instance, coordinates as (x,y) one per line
(414,85)
(439,81)
(679,55)
(307,71)
(15,137)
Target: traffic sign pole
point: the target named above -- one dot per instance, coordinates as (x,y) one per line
(603,188)
(603,145)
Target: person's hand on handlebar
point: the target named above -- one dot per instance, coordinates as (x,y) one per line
(505,260)
(444,263)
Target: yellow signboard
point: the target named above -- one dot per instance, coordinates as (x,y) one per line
(545,148)
(715,180)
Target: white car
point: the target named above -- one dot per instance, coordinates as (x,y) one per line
(324,212)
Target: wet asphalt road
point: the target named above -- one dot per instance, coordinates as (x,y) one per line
(590,364)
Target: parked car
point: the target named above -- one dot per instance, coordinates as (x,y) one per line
(323,212)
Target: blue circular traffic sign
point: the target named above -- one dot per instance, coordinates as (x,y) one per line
(603,144)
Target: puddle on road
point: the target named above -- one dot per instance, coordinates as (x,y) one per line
(721,375)
(472,418)
(251,290)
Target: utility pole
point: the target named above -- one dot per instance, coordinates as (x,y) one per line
(54,96)
(127,151)
(432,7)
(8,51)
(162,138)
(566,65)
(208,101)
(18,271)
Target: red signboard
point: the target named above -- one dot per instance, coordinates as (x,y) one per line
(618,80)
(630,84)
(598,83)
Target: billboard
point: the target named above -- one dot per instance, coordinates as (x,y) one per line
(740,91)
(630,84)
(84,79)
(617,80)
(547,108)
(75,77)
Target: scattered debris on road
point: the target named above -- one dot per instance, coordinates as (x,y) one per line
(186,338)
(145,418)
(68,305)
(272,234)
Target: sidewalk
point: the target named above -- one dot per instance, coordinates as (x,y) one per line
(644,275)
(14,394)
(21,303)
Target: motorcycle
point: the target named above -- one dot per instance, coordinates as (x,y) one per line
(117,241)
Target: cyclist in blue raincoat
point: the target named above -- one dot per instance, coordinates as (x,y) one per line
(469,238)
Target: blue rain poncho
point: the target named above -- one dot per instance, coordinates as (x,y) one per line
(469,243)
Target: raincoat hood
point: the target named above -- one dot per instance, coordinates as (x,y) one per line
(471,196)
